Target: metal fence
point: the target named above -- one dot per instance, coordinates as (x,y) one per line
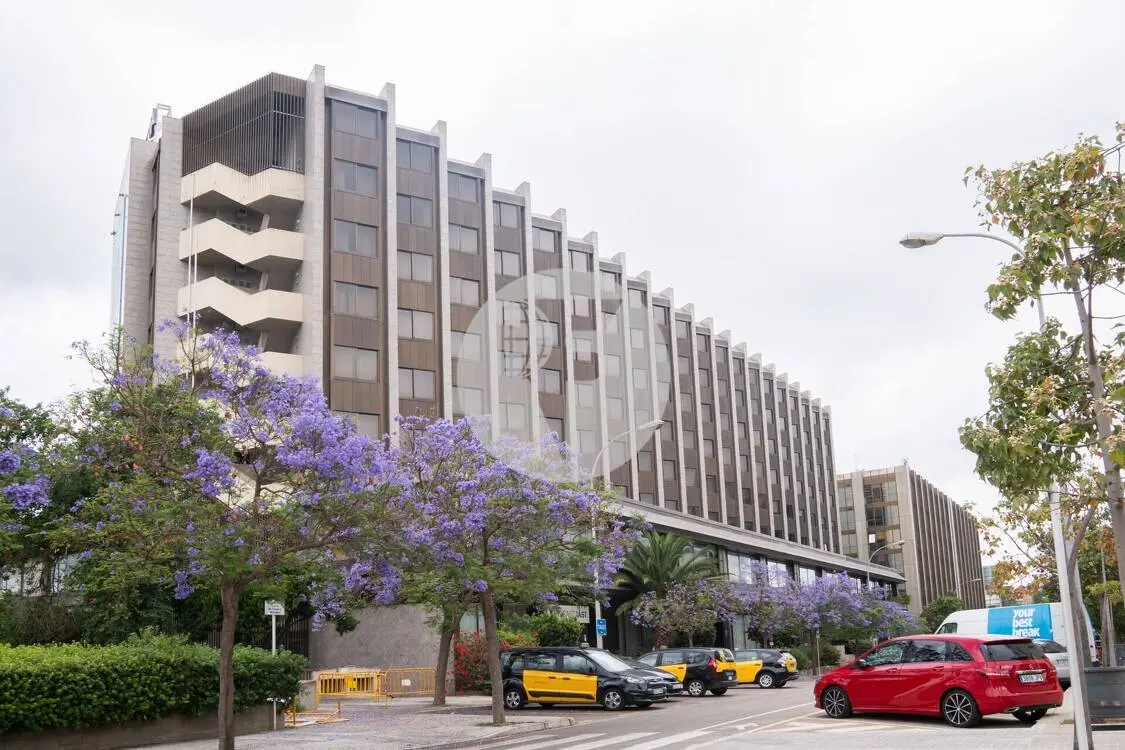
(374,684)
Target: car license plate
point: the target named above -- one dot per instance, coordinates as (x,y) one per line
(1035,677)
(730,675)
(658,691)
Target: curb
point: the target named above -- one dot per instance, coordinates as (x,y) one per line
(523,727)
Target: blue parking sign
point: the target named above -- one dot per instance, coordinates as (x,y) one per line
(601,627)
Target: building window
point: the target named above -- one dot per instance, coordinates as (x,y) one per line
(354,299)
(645,461)
(580,261)
(728,456)
(509,264)
(546,287)
(548,334)
(683,329)
(612,364)
(354,178)
(744,460)
(583,350)
(712,483)
(585,392)
(740,398)
(643,416)
(466,346)
(513,416)
(609,320)
(544,240)
(687,402)
(463,188)
(638,337)
(354,363)
(669,468)
(357,239)
(416,384)
(418,212)
(581,306)
(615,408)
(415,267)
(506,215)
(704,376)
(640,379)
(637,298)
(468,400)
(416,157)
(618,453)
(365,424)
(609,280)
(587,442)
(464,239)
(709,447)
(556,426)
(464,291)
(708,413)
(743,431)
(684,363)
(347,118)
(415,324)
(691,476)
(550,381)
(702,342)
(690,442)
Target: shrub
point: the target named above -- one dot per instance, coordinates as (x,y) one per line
(829,655)
(556,630)
(470,658)
(146,678)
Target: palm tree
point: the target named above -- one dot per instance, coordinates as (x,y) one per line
(659,560)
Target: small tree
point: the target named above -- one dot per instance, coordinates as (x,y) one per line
(686,608)
(222,473)
(24,485)
(660,560)
(505,522)
(934,614)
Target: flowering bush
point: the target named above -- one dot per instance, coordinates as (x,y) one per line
(470,658)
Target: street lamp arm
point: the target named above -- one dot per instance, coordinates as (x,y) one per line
(986,236)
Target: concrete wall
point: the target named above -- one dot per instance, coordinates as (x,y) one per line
(385,637)
(139,733)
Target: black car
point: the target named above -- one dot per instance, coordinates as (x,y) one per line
(778,667)
(699,669)
(571,674)
(675,687)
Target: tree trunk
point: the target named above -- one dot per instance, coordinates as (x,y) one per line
(1115,494)
(228,596)
(492,639)
(449,624)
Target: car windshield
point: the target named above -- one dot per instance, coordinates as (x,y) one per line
(1051,647)
(1011,651)
(608,662)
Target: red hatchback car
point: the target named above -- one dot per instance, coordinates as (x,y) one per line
(960,678)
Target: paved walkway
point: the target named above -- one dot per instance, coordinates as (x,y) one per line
(409,723)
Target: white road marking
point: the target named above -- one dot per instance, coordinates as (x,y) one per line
(623,739)
(518,740)
(547,743)
(670,739)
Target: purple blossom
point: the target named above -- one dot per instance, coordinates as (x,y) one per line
(10,462)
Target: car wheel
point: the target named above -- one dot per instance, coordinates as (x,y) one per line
(695,688)
(836,703)
(1029,715)
(959,709)
(613,700)
(718,691)
(766,680)
(514,699)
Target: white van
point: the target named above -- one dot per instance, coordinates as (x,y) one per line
(1040,622)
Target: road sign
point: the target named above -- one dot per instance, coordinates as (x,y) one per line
(601,628)
(275,609)
(582,614)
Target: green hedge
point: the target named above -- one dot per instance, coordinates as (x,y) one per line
(146,678)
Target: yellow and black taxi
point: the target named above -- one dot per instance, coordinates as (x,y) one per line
(777,667)
(575,675)
(699,669)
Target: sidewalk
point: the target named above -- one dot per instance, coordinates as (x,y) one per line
(409,723)
(1056,730)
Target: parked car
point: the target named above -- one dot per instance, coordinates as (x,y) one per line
(746,669)
(960,678)
(778,667)
(675,687)
(699,669)
(575,675)
(1056,652)
(1036,621)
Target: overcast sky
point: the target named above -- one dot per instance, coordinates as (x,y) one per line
(761,157)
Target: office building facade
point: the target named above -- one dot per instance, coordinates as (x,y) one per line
(893,517)
(352,248)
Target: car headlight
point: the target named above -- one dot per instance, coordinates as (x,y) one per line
(634,681)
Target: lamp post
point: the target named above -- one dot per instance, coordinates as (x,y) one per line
(917,240)
(651,425)
(892,545)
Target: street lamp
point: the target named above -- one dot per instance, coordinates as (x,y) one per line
(870,557)
(651,425)
(917,240)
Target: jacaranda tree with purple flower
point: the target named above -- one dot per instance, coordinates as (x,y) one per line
(684,607)
(503,521)
(222,473)
(25,433)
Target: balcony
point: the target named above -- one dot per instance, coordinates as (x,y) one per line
(271,189)
(270,249)
(266,310)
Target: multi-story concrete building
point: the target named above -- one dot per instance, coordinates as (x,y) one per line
(894,517)
(357,250)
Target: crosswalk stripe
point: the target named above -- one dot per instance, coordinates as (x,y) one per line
(553,743)
(662,741)
(624,740)
(518,740)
